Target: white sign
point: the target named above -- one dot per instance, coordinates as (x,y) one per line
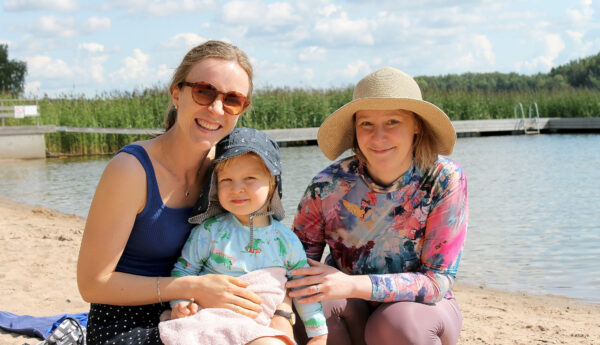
(31,110)
(19,111)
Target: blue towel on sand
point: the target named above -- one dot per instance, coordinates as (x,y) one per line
(36,326)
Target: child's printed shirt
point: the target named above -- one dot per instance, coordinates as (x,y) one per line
(221,245)
(408,237)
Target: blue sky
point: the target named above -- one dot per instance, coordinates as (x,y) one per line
(93,47)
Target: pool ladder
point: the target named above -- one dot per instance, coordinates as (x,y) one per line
(531,125)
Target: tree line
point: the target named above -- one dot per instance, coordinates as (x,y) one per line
(12,73)
(580,73)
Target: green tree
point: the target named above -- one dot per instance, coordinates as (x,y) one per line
(12,73)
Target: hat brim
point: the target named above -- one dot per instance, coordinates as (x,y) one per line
(336,133)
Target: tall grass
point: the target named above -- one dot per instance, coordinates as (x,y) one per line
(276,108)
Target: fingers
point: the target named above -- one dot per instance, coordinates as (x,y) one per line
(244,311)
(315,262)
(311,299)
(239,282)
(307,271)
(247,299)
(193,308)
(310,290)
(304,281)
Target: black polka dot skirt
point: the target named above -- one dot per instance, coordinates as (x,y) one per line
(131,325)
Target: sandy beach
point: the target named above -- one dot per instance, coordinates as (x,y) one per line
(39,247)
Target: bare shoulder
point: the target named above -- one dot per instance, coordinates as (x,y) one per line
(123,180)
(125,163)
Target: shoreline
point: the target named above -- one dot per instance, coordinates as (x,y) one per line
(39,249)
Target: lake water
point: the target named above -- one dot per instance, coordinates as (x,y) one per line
(534,221)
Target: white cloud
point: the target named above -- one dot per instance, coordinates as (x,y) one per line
(342,30)
(91,59)
(35,5)
(582,23)
(309,74)
(357,68)
(135,68)
(33,88)
(93,70)
(44,67)
(576,36)
(312,53)
(483,49)
(554,45)
(161,8)
(53,26)
(164,73)
(95,24)
(279,74)
(583,15)
(91,47)
(185,40)
(452,16)
(328,10)
(258,15)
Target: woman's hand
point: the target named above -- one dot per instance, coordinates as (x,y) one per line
(323,282)
(222,291)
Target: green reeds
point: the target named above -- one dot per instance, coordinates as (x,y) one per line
(276,108)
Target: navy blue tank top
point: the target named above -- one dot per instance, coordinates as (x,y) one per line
(159,232)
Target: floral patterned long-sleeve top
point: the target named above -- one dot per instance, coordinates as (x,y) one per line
(408,237)
(222,245)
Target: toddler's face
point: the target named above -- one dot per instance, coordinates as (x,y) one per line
(243,186)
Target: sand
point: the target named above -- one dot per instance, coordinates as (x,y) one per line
(39,247)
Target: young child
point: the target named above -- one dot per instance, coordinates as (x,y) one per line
(239,229)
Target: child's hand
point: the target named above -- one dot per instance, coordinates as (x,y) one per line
(318,340)
(183,309)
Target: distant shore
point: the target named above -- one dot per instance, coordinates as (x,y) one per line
(38,256)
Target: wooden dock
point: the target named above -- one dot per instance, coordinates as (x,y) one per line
(463,128)
(16,139)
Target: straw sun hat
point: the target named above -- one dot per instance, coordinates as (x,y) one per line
(385,89)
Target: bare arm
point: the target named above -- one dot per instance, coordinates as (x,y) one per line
(119,197)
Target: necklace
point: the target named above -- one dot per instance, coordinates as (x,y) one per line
(187,187)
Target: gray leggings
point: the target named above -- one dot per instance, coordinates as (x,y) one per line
(355,321)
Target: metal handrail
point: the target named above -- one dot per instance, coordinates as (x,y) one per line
(521,124)
(536,119)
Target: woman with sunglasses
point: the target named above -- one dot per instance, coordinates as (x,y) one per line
(138,219)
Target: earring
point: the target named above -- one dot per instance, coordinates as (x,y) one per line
(175,106)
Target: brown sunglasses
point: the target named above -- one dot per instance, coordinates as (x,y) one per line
(203,93)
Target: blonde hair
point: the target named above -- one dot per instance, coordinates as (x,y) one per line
(424,146)
(208,49)
(222,165)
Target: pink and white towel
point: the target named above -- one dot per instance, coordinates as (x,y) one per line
(218,326)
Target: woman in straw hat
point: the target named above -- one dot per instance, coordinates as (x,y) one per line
(394,215)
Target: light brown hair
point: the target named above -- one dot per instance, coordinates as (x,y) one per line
(424,147)
(208,49)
